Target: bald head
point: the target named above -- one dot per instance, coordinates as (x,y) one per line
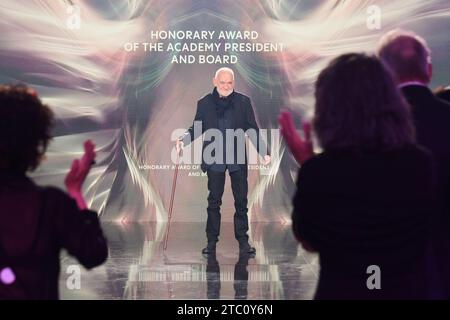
(226,70)
(407,55)
(224,81)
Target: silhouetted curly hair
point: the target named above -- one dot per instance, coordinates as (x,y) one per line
(25,125)
(358,106)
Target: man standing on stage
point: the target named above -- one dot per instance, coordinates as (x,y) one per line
(226,112)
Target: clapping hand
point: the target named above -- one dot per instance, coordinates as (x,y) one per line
(301,149)
(78,173)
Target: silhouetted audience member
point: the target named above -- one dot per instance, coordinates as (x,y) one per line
(364,203)
(37,222)
(409,58)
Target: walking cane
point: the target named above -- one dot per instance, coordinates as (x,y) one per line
(172,196)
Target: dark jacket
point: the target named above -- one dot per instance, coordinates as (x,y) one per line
(243,118)
(359,209)
(432,121)
(36,224)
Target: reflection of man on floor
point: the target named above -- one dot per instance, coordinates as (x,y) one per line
(240,277)
(213,278)
(226,110)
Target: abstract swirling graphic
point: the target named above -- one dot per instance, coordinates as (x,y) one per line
(130,102)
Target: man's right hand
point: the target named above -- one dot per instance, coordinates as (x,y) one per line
(179,146)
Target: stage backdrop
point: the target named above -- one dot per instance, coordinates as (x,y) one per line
(128,73)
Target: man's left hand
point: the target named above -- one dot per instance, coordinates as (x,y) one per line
(267,159)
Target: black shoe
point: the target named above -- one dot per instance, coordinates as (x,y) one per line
(210,249)
(246,249)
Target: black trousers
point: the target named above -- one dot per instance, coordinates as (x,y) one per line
(239,186)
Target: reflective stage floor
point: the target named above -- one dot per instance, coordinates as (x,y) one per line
(138,267)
